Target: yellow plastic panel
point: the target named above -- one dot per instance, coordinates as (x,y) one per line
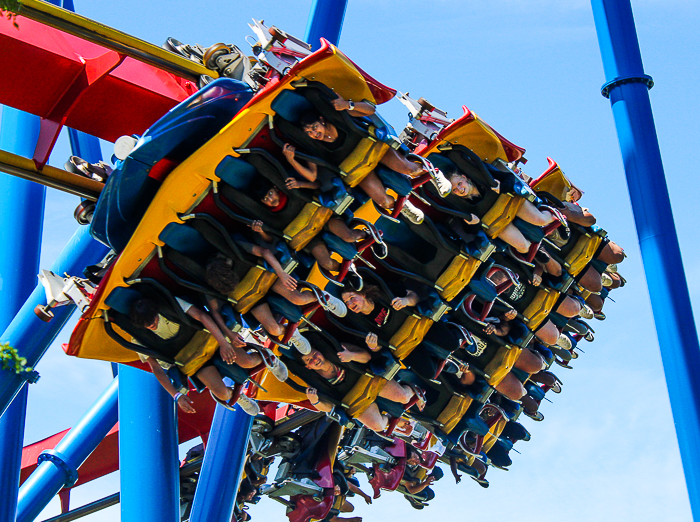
(410,335)
(306,225)
(540,307)
(502,363)
(501,214)
(362,161)
(363,394)
(457,276)
(453,412)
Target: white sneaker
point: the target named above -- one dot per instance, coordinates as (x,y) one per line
(564,342)
(300,342)
(586,312)
(412,213)
(441,183)
(248,405)
(273,363)
(334,305)
(607,280)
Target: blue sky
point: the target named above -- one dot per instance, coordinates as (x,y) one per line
(532,69)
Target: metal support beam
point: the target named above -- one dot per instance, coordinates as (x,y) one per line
(27,333)
(222,468)
(325,21)
(21,224)
(58,467)
(148,458)
(627,87)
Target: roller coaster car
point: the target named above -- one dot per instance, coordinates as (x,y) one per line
(495,209)
(188,246)
(357,391)
(189,183)
(477,444)
(403,339)
(365,142)
(533,304)
(308,479)
(446,407)
(472,132)
(169,141)
(188,350)
(361,447)
(583,244)
(422,253)
(388,476)
(298,222)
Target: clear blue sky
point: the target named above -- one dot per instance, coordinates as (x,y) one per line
(532,69)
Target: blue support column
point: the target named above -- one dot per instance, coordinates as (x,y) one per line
(222,468)
(325,21)
(148,457)
(58,467)
(627,87)
(27,333)
(21,224)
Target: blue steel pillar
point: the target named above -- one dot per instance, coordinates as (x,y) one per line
(27,333)
(148,457)
(58,467)
(325,21)
(222,468)
(627,87)
(21,223)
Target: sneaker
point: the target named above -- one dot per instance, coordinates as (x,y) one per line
(607,280)
(586,312)
(599,315)
(564,342)
(412,213)
(556,387)
(441,183)
(273,363)
(612,268)
(334,305)
(248,405)
(354,279)
(536,416)
(300,342)
(589,336)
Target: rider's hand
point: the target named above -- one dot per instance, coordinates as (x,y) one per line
(536,280)
(312,395)
(510,314)
(288,151)
(399,302)
(345,355)
(288,281)
(228,354)
(340,104)
(291,183)
(257,226)
(237,340)
(372,341)
(186,404)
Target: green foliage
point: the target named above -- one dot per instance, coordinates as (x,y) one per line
(10,360)
(9,9)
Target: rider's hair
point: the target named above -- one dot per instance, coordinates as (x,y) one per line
(247,488)
(220,275)
(371,292)
(309,117)
(143,312)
